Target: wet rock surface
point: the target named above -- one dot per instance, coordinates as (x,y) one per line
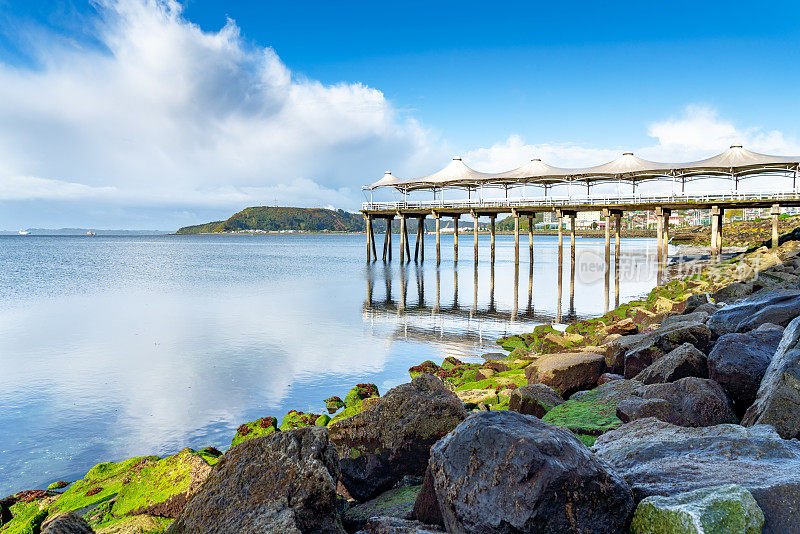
(534,399)
(738,363)
(393,525)
(686,402)
(397,503)
(684,361)
(505,472)
(68,523)
(657,458)
(392,438)
(728,509)
(778,398)
(777,307)
(567,372)
(284,482)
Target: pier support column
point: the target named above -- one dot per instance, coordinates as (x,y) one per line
(713,240)
(368,223)
(419,247)
(475,233)
(530,236)
(371,241)
(572,217)
(775,211)
(438,220)
(455,238)
(667,214)
(515,214)
(660,234)
(403,238)
(560,217)
(491,231)
(387,240)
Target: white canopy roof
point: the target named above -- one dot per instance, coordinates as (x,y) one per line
(734,161)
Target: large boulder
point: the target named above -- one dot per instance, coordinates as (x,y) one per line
(728,509)
(657,458)
(426,507)
(733,292)
(778,307)
(534,399)
(392,438)
(566,372)
(738,363)
(686,402)
(284,482)
(679,363)
(633,354)
(694,317)
(590,413)
(504,472)
(68,523)
(778,398)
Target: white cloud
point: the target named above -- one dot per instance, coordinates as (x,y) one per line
(699,132)
(166,113)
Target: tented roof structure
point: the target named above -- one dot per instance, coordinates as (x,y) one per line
(735,162)
(455,174)
(388,180)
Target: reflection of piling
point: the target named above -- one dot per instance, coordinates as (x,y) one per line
(475,288)
(530,288)
(491,230)
(560,275)
(402,287)
(438,289)
(491,286)
(516,293)
(455,287)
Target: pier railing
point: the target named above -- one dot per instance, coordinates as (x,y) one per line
(589,200)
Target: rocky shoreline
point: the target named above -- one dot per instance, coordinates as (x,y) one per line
(675,413)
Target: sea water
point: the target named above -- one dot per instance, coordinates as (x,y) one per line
(113,347)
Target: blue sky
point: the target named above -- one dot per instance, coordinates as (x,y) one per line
(301,103)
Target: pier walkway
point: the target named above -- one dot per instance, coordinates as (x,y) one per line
(734,165)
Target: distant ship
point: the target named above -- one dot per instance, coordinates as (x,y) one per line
(91,233)
(24,232)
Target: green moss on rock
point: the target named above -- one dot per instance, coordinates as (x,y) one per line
(425,367)
(27,513)
(322,420)
(61,484)
(297,419)
(334,404)
(263,426)
(590,415)
(728,509)
(359,393)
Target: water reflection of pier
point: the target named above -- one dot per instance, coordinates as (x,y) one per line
(397,301)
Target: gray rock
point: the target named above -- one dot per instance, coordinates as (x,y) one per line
(682,362)
(694,317)
(532,477)
(393,525)
(686,402)
(709,308)
(738,363)
(778,307)
(732,292)
(728,509)
(657,458)
(393,436)
(695,301)
(653,345)
(284,482)
(489,356)
(769,326)
(68,523)
(778,398)
(397,503)
(426,507)
(534,399)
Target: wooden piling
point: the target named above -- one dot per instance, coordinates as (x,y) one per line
(775,211)
(386,238)
(402,238)
(455,238)
(405,238)
(438,239)
(516,236)
(530,237)
(475,233)
(491,231)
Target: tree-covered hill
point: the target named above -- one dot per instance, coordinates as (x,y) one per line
(275,218)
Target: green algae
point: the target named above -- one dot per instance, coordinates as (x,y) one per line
(728,509)
(334,404)
(396,502)
(296,419)
(210,454)
(425,367)
(322,420)
(360,392)
(587,440)
(263,426)
(26,518)
(61,484)
(589,415)
(157,482)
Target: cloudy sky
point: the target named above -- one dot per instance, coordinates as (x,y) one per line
(154,114)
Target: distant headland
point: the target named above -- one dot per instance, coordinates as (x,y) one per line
(282,219)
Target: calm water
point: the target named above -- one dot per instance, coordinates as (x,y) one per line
(117,347)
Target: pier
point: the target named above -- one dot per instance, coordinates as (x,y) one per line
(627,172)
